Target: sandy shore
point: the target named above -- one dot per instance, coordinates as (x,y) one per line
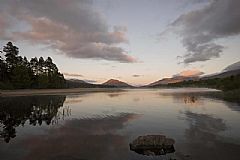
(30,92)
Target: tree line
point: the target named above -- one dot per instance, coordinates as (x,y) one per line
(224,84)
(16,72)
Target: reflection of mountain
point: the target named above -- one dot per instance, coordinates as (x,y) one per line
(15,111)
(88,138)
(203,140)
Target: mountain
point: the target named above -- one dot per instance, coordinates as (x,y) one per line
(223,74)
(231,70)
(232,67)
(116,83)
(172,80)
(76,83)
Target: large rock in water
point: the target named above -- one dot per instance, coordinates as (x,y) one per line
(153,145)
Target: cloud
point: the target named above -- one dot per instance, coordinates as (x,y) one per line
(199,29)
(137,75)
(189,73)
(72,74)
(74,29)
(3,25)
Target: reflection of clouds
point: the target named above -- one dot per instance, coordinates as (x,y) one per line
(94,138)
(201,123)
(203,140)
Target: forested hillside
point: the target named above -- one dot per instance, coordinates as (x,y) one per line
(225,84)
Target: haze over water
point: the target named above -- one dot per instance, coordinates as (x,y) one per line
(101,125)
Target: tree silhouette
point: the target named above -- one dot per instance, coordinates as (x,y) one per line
(18,73)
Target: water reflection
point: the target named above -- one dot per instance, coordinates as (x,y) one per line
(204,140)
(192,99)
(99,126)
(88,138)
(17,111)
(113,95)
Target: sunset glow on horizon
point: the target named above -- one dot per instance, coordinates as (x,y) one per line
(135,41)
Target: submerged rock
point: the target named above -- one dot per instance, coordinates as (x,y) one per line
(152,145)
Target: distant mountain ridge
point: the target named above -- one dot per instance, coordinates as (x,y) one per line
(231,70)
(234,66)
(172,80)
(116,83)
(222,74)
(76,83)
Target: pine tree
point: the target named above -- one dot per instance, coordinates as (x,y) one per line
(11,54)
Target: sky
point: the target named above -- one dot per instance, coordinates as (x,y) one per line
(136,41)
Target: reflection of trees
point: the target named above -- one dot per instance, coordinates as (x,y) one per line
(186,98)
(15,111)
(190,99)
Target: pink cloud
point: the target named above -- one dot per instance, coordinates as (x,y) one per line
(190,73)
(75,29)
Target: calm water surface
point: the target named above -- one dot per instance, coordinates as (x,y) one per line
(100,126)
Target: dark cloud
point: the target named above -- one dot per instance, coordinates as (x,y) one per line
(200,29)
(137,75)
(74,29)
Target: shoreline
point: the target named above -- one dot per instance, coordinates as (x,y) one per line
(33,92)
